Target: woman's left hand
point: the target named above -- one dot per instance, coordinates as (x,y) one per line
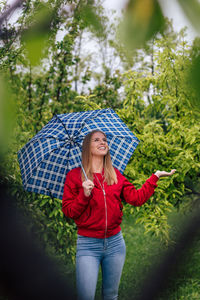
(164,173)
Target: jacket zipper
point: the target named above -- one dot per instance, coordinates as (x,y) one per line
(106,221)
(104,196)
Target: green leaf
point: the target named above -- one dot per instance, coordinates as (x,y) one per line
(192,10)
(142,20)
(35,37)
(43,202)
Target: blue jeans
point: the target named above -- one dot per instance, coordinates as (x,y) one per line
(93,252)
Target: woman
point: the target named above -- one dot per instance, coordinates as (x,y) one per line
(95,205)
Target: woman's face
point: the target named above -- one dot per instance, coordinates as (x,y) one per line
(99,145)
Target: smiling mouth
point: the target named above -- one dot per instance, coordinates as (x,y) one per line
(102,148)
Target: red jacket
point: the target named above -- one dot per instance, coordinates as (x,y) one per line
(100,215)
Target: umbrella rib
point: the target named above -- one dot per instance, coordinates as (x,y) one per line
(48,189)
(121,136)
(46,137)
(97,114)
(56,116)
(44,157)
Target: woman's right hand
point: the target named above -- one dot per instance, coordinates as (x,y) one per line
(87,185)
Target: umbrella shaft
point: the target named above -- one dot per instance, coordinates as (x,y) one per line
(86,178)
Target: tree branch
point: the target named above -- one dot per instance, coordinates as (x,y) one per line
(7,12)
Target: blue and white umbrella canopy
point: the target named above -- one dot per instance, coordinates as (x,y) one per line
(56,148)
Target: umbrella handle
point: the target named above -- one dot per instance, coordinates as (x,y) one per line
(86,178)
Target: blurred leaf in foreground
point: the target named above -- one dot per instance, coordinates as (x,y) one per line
(7,115)
(37,33)
(90,17)
(194,74)
(142,20)
(192,10)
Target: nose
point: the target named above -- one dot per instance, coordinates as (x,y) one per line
(102,142)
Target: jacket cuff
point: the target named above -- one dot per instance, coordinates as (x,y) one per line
(83,197)
(154,178)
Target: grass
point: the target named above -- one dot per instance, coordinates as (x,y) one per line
(142,252)
(139,256)
(145,251)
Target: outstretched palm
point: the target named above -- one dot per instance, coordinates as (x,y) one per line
(164,173)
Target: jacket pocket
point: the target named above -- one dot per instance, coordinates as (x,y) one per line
(115,214)
(84,216)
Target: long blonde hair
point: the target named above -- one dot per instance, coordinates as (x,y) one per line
(109,171)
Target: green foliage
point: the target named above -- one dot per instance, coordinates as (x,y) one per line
(157,109)
(107,94)
(64,232)
(87,102)
(193,74)
(39,93)
(41,71)
(156,98)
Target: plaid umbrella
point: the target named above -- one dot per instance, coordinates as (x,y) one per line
(56,148)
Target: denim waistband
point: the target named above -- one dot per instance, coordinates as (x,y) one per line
(96,246)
